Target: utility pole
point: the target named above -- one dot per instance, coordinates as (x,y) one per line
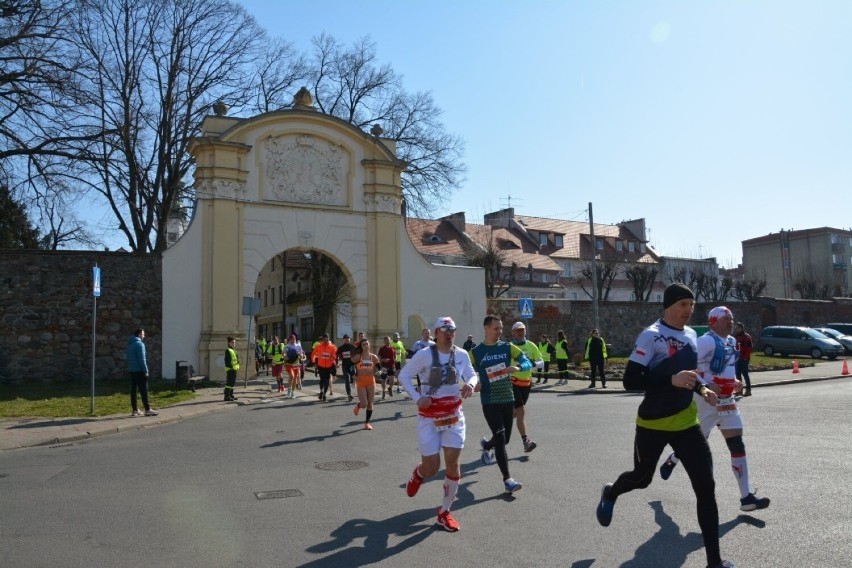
(594,265)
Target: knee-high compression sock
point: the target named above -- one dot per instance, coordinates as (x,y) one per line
(739,464)
(451,487)
(369,414)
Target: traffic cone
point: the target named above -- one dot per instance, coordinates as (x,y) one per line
(795,366)
(845,370)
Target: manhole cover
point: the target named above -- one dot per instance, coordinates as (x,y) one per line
(279,494)
(341,465)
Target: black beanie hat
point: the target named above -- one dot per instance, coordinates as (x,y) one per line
(676,292)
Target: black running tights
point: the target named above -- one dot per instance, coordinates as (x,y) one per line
(499,419)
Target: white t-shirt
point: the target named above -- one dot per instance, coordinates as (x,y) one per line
(421,364)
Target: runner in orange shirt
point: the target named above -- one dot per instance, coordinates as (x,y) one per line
(324,357)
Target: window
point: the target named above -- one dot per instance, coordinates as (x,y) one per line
(599,244)
(272,296)
(619,246)
(566,270)
(557,239)
(642,247)
(542,239)
(265,297)
(573,295)
(280,294)
(525,276)
(631,246)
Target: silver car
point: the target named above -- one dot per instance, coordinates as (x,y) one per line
(842,339)
(789,340)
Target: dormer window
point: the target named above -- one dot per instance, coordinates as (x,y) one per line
(435,239)
(542,239)
(619,246)
(557,240)
(631,246)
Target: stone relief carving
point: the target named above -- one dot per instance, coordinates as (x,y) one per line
(382,203)
(227,188)
(305,169)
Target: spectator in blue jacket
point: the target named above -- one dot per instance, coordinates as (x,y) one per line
(137,366)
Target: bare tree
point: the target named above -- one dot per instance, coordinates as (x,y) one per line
(329,290)
(500,274)
(154,68)
(607,270)
(748,289)
(812,283)
(351,84)
(642,277)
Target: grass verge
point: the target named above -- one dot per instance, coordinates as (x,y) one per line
(63,400)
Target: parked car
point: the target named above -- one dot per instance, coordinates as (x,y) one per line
(844,328)
(844,340)
(790,340)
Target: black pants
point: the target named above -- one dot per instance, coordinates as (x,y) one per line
(742,372)
(348,378)
(698,463)
(597,365)
(562,367)
(139,381)
(499,418)
(325,379)
(230,381)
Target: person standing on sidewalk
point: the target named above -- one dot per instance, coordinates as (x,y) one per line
(137,366)
(324,357)
(522,381)
(399,347)
(717,356)
(440,421)
(745,346)
(495,361)
(232,365)
(663,365)
(548,351)
(561,357)
(596,356)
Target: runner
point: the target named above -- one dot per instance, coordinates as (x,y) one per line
(294,356)
(365,381)
(324,356)
(495,361)
(717,361)
(522,381)
(440,422)
(344,355)
(422,343)
(387,360)
(661,365)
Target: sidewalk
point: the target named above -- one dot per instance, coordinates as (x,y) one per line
(29,432)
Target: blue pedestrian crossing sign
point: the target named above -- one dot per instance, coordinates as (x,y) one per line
(526,307)
(96,282)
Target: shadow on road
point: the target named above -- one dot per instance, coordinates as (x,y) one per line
(668,548)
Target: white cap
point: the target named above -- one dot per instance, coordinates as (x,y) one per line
(717,313)
(445,322)
(518,325)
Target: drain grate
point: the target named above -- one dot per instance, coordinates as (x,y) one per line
(341,465)
(279,494)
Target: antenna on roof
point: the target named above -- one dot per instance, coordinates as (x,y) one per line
(507,201)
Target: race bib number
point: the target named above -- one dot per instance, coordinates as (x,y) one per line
(726,406)
(446,423)
(496,372)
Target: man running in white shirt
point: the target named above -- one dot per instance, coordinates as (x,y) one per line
(447,378)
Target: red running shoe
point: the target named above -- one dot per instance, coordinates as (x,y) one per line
(413,483)
(447,521)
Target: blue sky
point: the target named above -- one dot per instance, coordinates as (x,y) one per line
(715,121)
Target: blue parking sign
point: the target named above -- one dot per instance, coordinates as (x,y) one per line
(96,279)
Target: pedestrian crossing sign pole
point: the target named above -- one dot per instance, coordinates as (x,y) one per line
(526,308)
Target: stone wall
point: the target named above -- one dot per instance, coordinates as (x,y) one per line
(621,322)
(46,313)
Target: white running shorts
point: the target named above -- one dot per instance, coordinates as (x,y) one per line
(430,440)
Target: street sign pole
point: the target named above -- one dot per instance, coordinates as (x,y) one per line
(96,291)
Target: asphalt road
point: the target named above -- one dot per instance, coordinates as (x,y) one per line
(243,488)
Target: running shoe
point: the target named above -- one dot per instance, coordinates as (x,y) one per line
(383,394)
(135,413)
(487,456)
(605,507)
(668,467)
(447,521)
(350,398)
(152,412)
(529,446)
(723,564)
(750,502)
(368,426)
(511,485)
(414,483)
(357,408)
